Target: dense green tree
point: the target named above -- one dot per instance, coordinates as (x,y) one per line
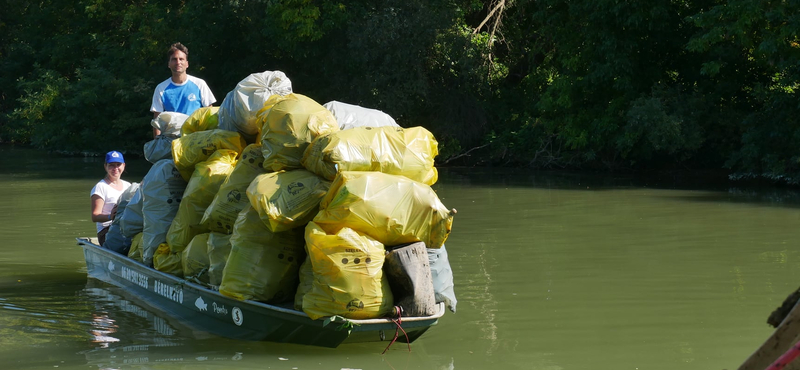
(751,49)
(598,82)
(549,84)
(87,74)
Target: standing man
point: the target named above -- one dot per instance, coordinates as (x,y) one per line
(180,93)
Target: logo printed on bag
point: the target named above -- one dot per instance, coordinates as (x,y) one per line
(296,187)
(234,196)
(355,305)
(209,149)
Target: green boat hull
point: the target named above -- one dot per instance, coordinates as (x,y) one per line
(207,310)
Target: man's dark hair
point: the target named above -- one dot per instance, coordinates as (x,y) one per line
(175,47)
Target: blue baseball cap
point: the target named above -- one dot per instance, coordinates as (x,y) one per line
(114,156)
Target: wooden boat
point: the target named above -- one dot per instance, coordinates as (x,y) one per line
(208,310)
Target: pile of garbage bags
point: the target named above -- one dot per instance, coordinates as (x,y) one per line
(276,198)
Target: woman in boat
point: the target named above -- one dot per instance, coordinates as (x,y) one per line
(106,193)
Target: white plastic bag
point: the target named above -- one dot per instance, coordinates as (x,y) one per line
(159,148)
(169,123)
(442,275)
(238,111)
(162,191)
(132,220)
(349,116)
(115,240)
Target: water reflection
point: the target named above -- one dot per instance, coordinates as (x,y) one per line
(36,310)
(64,320)
(126,333)
(102,328)
(126,315)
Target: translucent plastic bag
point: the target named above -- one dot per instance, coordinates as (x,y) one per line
(232,195)
(166,261)
(262,265)
(348,275)
(196,147)
(240,106)
(194,259)
(169,123)
(203,119)
(306,276)
(350,116)
(397,151)
(162,190)
(200,191)
(289,126)
(159,148)
(115,240)
(442,275)
(391,209)
(287,199)
(219,247)
(132,220)
(135,253)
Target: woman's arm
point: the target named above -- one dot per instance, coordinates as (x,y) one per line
(97,209)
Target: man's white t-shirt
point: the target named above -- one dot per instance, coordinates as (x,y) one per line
(182,98)
(110,196)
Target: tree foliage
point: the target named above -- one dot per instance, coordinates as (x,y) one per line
(549,84)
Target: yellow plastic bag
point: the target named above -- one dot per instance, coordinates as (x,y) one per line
(306,276)
(289,126)
(262,265)
(166,261)
(287,199)
(189,150)
(348,275)
(202,119)
(232,195)
(391,209)
(394,150)
(219,247)
(195,258)
(203,186)
(135,253)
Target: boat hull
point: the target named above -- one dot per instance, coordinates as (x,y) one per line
(210,311)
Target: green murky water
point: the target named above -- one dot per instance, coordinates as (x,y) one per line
(553,271)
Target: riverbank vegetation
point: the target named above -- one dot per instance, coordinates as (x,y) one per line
(586,84)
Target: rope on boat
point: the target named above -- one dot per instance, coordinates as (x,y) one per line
(786,358)
(399,313)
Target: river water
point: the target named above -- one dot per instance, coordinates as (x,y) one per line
(552,271)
